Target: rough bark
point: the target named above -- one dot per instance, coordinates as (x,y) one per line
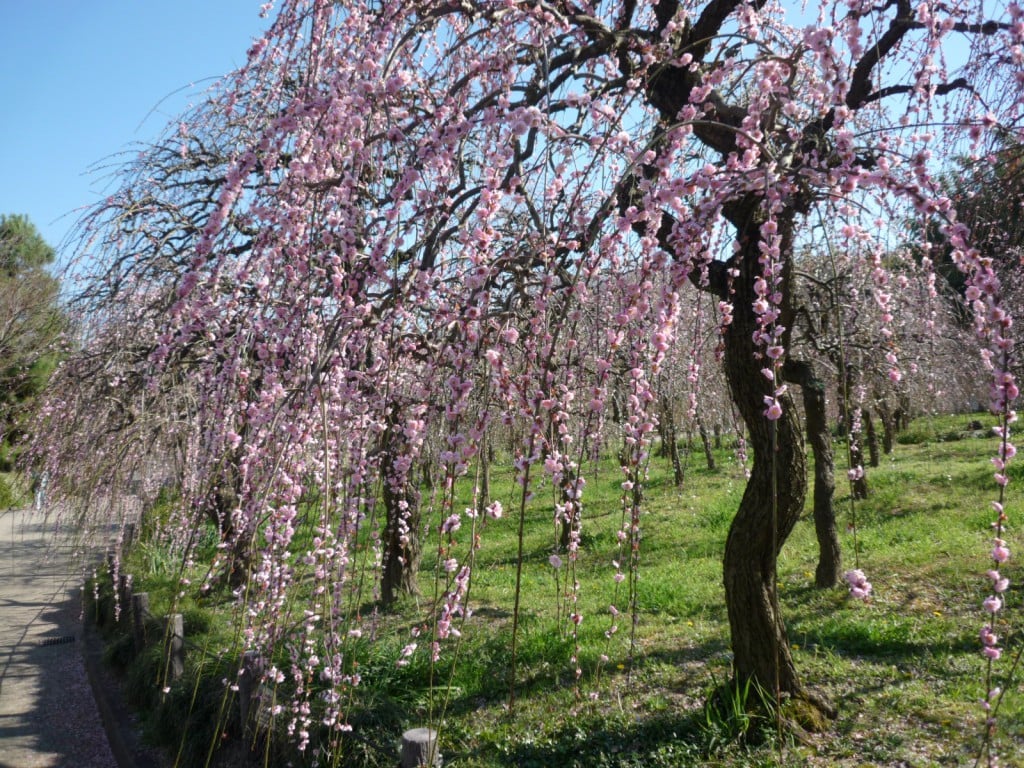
(772,502)
(888,426)
(484,491)
(812,389)
(678,472)
(770,506)
(859,484)
(853,428)
(872,436)
(402,548)
(774,496)
(664,419)
(670,442)
(402,545)
(705,440)
(221,511)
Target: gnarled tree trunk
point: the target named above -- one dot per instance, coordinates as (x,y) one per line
(705,440)
(872,436)
(816,420)
(402,549)
(670,441)
(888,426)
(774,497)
(401,498)
(854,430)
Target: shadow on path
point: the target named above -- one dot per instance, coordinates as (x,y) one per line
(48,716)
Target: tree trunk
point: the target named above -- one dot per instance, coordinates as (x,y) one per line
(872,436)
(774,496)
(888,427)
(402,546)
(773,500)
(762,523)
(664,420)
(427,472)
(854,431)
(859,481)
(815,416)
(678,472)
(220,510)
(705,440)
(670,442)
(484,491)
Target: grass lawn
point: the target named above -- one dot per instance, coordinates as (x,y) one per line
(904,668)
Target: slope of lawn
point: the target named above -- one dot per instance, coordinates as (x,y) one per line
(905,668)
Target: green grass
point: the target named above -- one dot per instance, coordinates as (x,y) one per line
(12,494)
(904,668)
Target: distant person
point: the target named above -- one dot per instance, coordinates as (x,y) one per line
(39,483)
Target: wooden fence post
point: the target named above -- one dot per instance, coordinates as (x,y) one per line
(140,612)
(124,596)
(176,630)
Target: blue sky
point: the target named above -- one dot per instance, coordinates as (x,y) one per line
(81,80)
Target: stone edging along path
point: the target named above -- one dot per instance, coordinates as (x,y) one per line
(120,724)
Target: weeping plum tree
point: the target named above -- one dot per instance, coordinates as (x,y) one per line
(447,187)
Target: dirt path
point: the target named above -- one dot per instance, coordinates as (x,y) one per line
(48,716)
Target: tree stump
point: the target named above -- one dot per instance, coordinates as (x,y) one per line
(419,748)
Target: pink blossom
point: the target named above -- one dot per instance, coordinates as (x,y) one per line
(407,651)
(988,637)
(992,604)
(860,587)
(1000,552)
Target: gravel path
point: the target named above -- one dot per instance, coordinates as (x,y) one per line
(48,716)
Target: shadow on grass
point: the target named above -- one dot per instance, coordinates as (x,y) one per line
(664,740)
(892,641)
(544,667)
(665,727)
